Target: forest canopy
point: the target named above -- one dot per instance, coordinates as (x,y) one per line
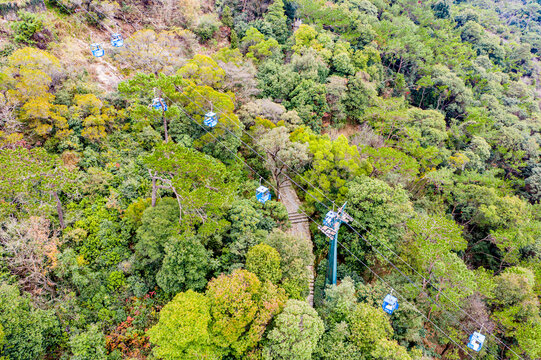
(172,176)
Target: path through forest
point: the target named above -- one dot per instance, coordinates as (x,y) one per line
(299,226)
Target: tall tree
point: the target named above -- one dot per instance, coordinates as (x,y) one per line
(184,266)
(295,334)
(201,184)
(26,81)
(183,329)
(29,332)
(276,17)
(241,309)
(283,155)
(32,180)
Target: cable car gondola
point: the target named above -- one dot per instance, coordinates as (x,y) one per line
(211,119)
(96,50)
(390,304)
(117,40)
(476,341)
(159,104)
(262,194)
(330,219)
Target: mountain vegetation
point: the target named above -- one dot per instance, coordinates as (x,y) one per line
(130,227)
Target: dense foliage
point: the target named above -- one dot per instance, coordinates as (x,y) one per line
(129,228)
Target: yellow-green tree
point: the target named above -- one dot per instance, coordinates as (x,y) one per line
(241,307)
(203,70)
(95,115)
(27,78)
(183,329)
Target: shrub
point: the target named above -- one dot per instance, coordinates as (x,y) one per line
(207,27)
(28,25)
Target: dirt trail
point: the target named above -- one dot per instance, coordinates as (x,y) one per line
(299,226)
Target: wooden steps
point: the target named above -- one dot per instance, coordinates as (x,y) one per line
(296,218)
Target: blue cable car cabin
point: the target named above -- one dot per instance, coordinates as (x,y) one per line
(390,304)
(476,341)
(330,219)
(211,119)
(117,40)
(159,104)
(262,194)
(96,50)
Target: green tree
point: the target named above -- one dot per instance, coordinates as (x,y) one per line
(515,310)
(89,345)
(276,80)
(308,98)
(359,96)
(295,334)
(227,17)
(434,243)
(296,255)
(28,24)
(185,265)
(334,345)
(442,89)
(276,17)
(241,307)
(256,47)
(234,39)
(141,88)
(358,328)
(31,182)
(387,162)
(29,332)
(201,184)
(379,212)
(441,9)
(264,261)
(183,329)
(334,163)
(283,155)
(203,70)
(158,225)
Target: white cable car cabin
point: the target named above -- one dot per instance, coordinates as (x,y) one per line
(97,50)
(262,194)
(330,219)
(211,119)
(117,40)
(159,104)
(476,341)
(390,304)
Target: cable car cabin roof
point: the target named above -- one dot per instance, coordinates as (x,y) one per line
(159,104)
(96,50)
(331,215)
(390,299)
(330,218)
(210,114)
(262,189)
(117,40)
(476,341)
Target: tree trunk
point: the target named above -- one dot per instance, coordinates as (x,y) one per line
(422,98)
(154,191)
(165,127)
(179,204)
(59,210)
(277,182)
(154,188)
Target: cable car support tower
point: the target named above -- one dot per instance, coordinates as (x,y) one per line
(330,227)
